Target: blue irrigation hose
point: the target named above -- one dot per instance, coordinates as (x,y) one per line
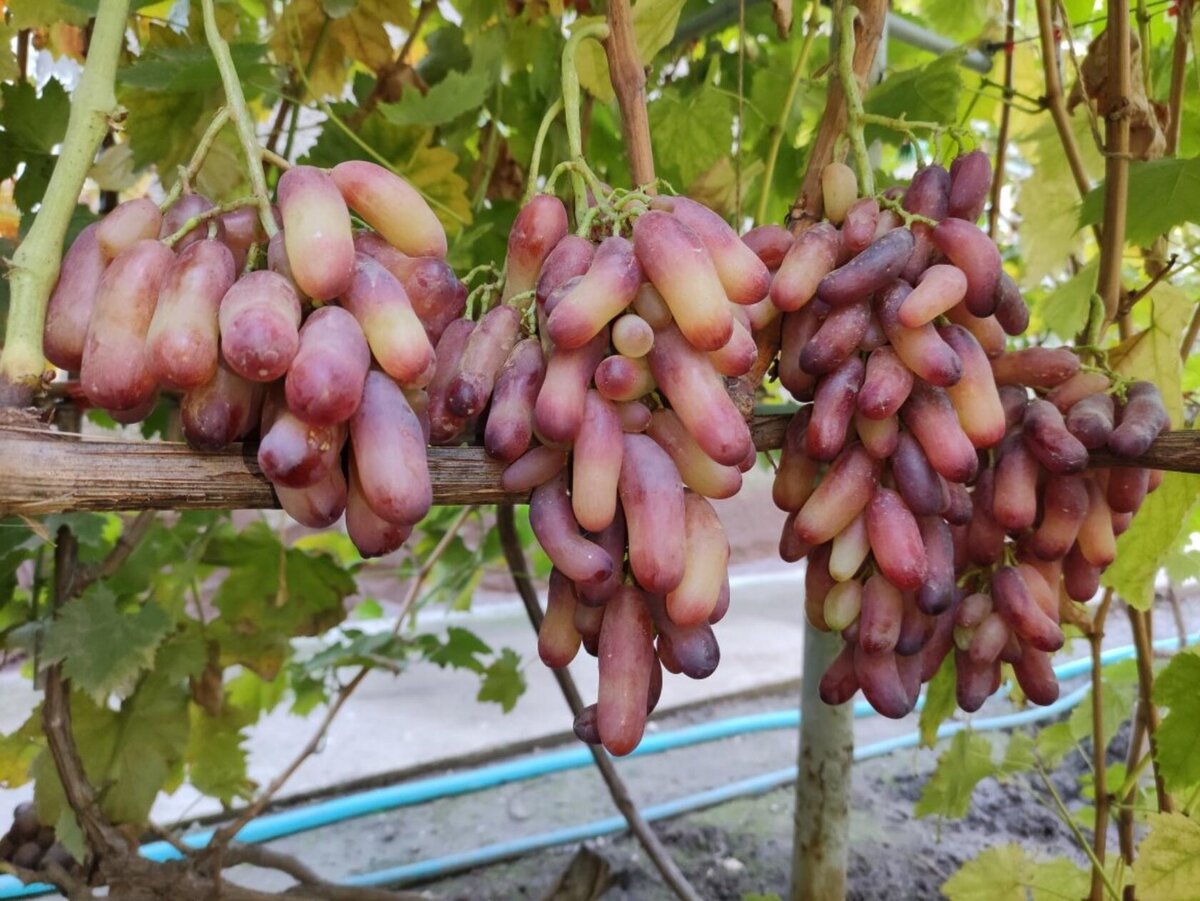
(336,810)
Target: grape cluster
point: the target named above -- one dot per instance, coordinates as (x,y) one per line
(30,845)
(933,483)
(330,344)
(619,422)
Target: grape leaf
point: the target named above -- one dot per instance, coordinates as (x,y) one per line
(1177,687)
(962,766)
(42,13)
(1064,311)
(654,24)
(503,682)
(191,68)
(1000,873)
(929,93)
(33,124)
(1162,194)
(1168,862)
(215,757)
(1153,354)
(456,94)
(691,131)
(434,172)
(18,750)
(461,649)
(939,702)
(1019,756)
(103,647)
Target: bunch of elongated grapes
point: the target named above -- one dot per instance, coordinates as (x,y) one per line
(332,341)
(937,483)
(664,314)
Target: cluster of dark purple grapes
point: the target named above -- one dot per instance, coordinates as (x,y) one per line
(30,845)
(933,483)
(331,341)
(619,422)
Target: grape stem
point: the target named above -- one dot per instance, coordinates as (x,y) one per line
(199,155)
(240,113)
(570,97)
(535,160)
(891,203)
(36,262)
(212,213)
(855,117)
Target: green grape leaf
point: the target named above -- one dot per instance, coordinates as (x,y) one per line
(461,649)
(1055,742)
(503,682)
(1153,354)
(654,24)
(940,702)
(18,751)
(456,94)
(1019,757)
(33,124)
(104,648)
(190,68)
(1168,862)
(928,93)
(1162,194)
(215,757)
(691,131)
(1000,873)
(1064,311)
(42,13)
(962,766)
(1177,688)
(1059,879)
(1156,531)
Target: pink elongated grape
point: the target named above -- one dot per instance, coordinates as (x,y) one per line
(388,204)
(1014,400)
(221,411)
(915,628)
(849,549)
(677,264)
(558,639)
(973,610)
(277,260)
(879,619)
(936,592)
(588,621)
(1081,579)
(293,453)
(418,399)
(842,495)
(874,337)
(886,385)
(836,338)
(536,466)
(539,226)
(930,416)
(115,372)
(697,394)
(1091,420)
(325,382)
(970,181)
(974,396)
(1015,492)
(958,511)
(928,195)
(389,452)
(796,332)
(182,341)
(1043,595)
(939,288)
(652,498)
(1016,604)
(1096,540)
(1076,388)
(1127,486)
(372,535)
(706,560)
(693,649)
(916,479)
(598,297)
(796,476)
(938,646)
(621,378)
(558,411)
(436,294)
(833,410)
(569,259)
(1011,312)
(632,336)
(896,540)
(842,605)
(858,228)
(740,353)
(922,348)
(985,536)
(259,319)
(242,229)
(872,270)
(879,436)
(557,531)
(743,275)
(1064,505)
(635,416)
(699,471)
(485,352)
(1035,675)
(445,425)
(385,314)
(509,426)
(812,257)
(71,302)
(180,212)
(128,223)
(974,684)
(599,448)
(316,231)
(1035,367)
(839,683)
(972,251)
(817,583)
(839,187)
(770,243)
(319,505)
(989,640)
(612,540)
(1140,420)
(1047,438)
(626,659)
(986,329)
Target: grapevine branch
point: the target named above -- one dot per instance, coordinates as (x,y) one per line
(1055,100)
(1099,748)
(514,556)
(1140,621)
(1010,16)
(36,261)
(1179,55)
(1116,103)
(629,84)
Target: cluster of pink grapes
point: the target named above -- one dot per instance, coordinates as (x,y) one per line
(332,342)
(937,482)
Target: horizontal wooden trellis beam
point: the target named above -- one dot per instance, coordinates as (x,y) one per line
(43,471)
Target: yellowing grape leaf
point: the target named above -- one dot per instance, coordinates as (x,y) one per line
(1168,862)
(1153,354)
(654,24)
(18,750)
(1177,688)
(1007,873)
(433,172)
(39,13)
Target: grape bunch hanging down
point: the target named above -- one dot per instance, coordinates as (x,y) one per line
(319,338)
(938,483)
(603,362)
